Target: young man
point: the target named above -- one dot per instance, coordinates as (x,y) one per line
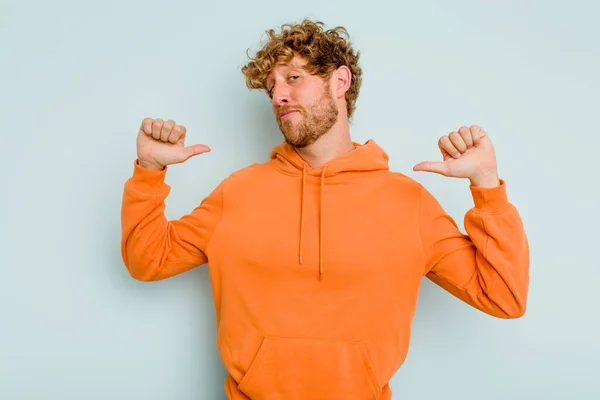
(316,256)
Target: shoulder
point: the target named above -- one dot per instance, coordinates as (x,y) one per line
(247,172)
(404,184)
(248,176)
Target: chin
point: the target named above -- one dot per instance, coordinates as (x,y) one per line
(301,141)
(299,145)
(293,141)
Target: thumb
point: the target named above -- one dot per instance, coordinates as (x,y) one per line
(431,166)
(190,151)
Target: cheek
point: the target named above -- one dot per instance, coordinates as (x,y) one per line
(310,95)
(300,94)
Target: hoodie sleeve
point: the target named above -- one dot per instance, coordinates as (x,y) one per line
(154,248)
(489,267)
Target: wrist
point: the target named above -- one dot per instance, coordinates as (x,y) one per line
(150,165)
(488,179)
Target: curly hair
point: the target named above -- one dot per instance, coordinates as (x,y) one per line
(323,50)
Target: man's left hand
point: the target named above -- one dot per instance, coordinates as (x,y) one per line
(467,153)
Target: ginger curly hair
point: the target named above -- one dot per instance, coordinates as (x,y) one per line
(324,51)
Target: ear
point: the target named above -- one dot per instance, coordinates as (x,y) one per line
(342,78)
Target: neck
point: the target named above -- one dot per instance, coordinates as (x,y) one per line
(334,143)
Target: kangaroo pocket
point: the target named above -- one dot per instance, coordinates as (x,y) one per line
(309,369)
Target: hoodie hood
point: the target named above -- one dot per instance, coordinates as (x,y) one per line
(364,158)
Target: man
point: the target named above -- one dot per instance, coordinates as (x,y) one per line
(317,255)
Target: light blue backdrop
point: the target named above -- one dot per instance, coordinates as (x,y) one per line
(77,78)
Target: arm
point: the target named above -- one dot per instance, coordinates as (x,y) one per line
(489,267)
(153,248)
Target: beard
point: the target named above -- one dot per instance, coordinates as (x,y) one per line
(316,121)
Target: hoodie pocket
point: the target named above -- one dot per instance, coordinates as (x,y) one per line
(309,369)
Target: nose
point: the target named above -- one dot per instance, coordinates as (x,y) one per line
(280,95)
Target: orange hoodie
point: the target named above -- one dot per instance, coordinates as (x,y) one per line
(315,272)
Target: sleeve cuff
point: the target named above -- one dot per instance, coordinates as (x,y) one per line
(490,200)
(147,180)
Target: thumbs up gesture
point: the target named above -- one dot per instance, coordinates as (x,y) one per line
(467,153)
(161,143)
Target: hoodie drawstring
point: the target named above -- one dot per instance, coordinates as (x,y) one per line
(322,191)
(302,214)
(321,224)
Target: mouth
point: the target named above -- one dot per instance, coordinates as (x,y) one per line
(286,114)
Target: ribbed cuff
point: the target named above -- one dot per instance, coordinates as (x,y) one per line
(147,180)
(490,200)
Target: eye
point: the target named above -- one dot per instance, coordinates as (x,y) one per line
(294,77)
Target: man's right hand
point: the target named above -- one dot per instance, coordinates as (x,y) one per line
(161,143)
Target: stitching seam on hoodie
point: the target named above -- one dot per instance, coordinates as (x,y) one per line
(214,229)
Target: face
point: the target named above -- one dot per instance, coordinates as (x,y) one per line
(302,103)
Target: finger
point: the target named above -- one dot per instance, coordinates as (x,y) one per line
(431,166)
(190,151)
(166,130)
(445,155)
(147,126)
(446,145)
(476,133)
(157,127)
(177,134)
(467,136)
(458,142)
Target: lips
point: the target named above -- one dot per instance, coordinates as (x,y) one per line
(285,114)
